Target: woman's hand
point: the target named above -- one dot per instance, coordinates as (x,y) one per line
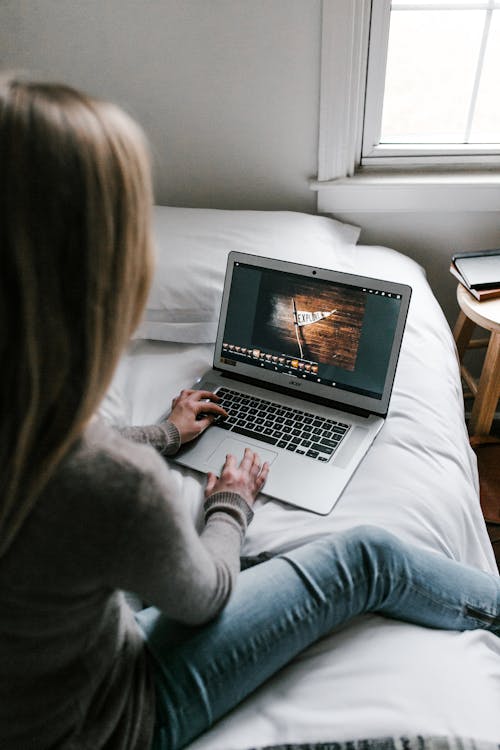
(246,480)
(194,411)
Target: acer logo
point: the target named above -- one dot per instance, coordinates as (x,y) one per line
(295,383)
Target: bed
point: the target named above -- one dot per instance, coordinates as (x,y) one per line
(389,683)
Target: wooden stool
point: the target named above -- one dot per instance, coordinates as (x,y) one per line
(487,391)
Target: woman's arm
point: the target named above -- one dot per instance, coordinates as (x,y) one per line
(159,554)
(192,412)
(164,437)
(162,559)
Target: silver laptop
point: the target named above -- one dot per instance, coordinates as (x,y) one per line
(304,362)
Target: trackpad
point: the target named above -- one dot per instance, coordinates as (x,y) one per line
(236,448)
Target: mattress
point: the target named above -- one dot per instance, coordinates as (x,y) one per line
(374,677)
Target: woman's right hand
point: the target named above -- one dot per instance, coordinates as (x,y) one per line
(247,479)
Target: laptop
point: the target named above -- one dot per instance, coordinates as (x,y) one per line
(304,363)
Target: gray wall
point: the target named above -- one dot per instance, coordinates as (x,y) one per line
(227,90)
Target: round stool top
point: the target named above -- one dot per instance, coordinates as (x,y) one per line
(485,314)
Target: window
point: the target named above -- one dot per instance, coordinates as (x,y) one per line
(439,152)
(433,84)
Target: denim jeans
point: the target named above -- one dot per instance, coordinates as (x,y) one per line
(280,607)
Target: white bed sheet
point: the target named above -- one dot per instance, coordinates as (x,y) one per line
(375,677)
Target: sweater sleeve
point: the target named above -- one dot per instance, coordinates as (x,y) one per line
(164,437)
(163,559)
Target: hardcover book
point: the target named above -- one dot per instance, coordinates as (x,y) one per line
(479,272)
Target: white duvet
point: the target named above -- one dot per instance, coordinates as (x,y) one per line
(375,677)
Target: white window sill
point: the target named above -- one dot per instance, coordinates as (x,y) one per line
(433,192)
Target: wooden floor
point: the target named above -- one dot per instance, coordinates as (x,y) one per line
(494,528)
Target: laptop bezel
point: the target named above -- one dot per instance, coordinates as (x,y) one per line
(303,388)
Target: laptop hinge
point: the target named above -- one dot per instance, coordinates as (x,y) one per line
(303,396)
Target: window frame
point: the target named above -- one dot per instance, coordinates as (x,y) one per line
(342,184)
(375,154)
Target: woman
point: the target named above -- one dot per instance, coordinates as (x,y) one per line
(86,512)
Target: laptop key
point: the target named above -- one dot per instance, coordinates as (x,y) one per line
(322,448)
(329,443)
(340,430)
(257,435)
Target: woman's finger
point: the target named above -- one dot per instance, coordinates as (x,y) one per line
(255,467)
(261,479)
(200,395)
(207,407)
(211,481)
(230,461)
(247,460)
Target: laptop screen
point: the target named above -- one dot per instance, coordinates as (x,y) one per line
(331,335)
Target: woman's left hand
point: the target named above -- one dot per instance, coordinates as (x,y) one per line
(194,411)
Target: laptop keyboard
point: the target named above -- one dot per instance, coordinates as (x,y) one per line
(297,431)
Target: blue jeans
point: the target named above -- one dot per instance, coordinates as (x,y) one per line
(280,607)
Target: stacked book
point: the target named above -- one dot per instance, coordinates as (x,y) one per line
(479,272)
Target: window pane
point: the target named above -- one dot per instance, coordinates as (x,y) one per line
(431,64)
(486,122)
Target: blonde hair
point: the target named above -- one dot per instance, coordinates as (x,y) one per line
(75,268)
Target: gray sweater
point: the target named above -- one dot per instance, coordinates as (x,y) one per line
(74,673)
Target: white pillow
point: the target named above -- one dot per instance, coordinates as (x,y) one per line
(192,246)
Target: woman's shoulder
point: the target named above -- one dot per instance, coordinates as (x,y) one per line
(101,442)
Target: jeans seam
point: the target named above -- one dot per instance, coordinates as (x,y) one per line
(479,614)
(457,608)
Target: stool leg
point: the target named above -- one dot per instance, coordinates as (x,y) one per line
(488,390)
(462,333)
